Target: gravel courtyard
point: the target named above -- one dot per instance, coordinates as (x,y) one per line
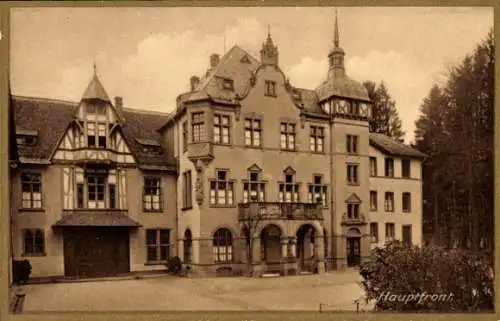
(336,290)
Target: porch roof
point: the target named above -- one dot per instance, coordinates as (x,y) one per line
(96,219)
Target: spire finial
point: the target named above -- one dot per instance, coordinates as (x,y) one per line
(336,32)
(269,31)
(95,68)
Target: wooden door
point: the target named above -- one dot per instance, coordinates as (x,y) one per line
(353,251)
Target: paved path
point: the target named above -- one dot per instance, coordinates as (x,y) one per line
(335,289)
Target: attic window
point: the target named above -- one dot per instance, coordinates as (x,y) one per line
(148,145)
(228,84)
(270,88)
(26,137)
(245,59)
(296,95)
(96,108)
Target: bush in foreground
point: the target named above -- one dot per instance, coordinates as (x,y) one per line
(174,265)
(463,281)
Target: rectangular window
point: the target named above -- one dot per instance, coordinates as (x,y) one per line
(91,134)
(406,202)
(373,166)
(389,167)
(221,129)
(390,232)
(389,202)
(317,191)
(255,189)
(31,184)
(152,194)
(221,189)
(101,135)
(287,131)
(353,211)
(373,201)
(405,168)
(198,126)
(352,144)
(34,242)
(158,246)
(316,139)
(270,88)
(352,174)
(289,190)
(228,84)
(374,232)
(95,194)
(406,233)
(187,196)
(184,135)
(253,132)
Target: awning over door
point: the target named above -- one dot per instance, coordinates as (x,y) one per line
(96,219)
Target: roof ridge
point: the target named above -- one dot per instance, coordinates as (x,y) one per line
(43,99)
(146,111)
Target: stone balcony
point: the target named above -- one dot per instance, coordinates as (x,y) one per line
(200,150)
(280,211)
(359,220)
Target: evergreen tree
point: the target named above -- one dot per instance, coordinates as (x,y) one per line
(385,118)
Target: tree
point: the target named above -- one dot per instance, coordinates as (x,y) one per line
(385,118)
(429,279)
(250,220)
(456,130)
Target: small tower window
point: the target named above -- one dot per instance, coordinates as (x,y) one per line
(270,88)
(228,84)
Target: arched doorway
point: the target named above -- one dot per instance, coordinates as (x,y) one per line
(270,240)
(353,247)
(188,247)
(306,247)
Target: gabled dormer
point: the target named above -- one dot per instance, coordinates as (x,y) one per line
(94,135)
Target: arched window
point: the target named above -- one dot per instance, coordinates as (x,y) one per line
(188,245)
(34,242)
(223,246)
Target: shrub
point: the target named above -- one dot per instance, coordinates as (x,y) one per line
(21,271)
(174,265)
(399,269)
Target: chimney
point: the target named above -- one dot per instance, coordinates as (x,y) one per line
(214,60)
(194,82)
(119,103)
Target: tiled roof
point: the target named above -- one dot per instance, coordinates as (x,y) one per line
(96,219)
(95,90)
(393,147)
(233,65)
(50,119)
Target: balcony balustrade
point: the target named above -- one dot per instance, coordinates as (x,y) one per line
(280,211)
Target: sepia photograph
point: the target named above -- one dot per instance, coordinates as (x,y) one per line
(319,159)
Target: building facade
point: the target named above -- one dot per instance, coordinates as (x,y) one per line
(249,173)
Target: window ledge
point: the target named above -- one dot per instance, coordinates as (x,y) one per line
(28,209)
(253,147)
(223,144)
(34,254)
(353,184)
(222,206)
(290,150)
(152,263)
(187,208)
(152,211)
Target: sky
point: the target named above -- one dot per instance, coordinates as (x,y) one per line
(147,55)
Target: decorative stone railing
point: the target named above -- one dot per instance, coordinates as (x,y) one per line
(283,211)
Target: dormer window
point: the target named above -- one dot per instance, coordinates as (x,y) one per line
(228,84)
(96,135)
(26,137)
(96,108)
(148,145)
(270,88)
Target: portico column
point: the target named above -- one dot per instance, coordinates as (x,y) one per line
(284,247)
(293,245)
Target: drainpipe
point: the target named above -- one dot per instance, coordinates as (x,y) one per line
(332,194)
(176,133)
